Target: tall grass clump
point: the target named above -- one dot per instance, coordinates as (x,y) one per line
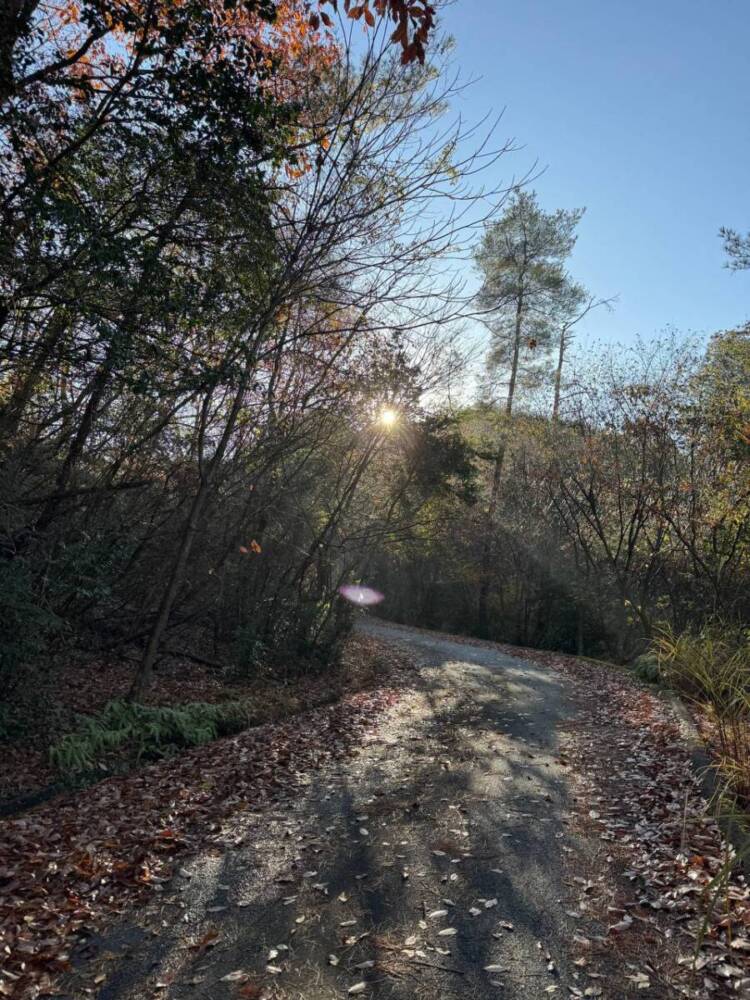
(711,668)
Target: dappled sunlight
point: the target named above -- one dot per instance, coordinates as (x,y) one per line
(291,346)
(422,866)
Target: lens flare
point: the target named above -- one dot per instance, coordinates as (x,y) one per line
(361,596)
(388,416)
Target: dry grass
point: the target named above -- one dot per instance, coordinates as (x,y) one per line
(712,670)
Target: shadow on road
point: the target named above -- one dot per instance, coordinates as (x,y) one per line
(450,819)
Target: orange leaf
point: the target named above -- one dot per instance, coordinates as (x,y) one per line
(399,35)
(250,992)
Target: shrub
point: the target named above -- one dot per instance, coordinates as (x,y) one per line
(308,635)
(136,732)
(248,654)
(647,668)
(711,666)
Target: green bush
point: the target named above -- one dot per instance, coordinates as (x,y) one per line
(647,668)
(136,732)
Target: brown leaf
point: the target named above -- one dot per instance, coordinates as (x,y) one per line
(208,940)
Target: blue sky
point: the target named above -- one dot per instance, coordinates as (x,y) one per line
(639,111)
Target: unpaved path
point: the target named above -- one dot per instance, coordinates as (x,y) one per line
(433,864)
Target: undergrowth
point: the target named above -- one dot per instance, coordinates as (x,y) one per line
(139,732)
(647,668)
(711,668)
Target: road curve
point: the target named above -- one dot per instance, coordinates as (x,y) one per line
(431,864)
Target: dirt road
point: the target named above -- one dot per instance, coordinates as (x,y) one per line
(433,864)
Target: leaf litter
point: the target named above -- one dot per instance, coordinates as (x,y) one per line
(641,800)
(79,861)
(681,889)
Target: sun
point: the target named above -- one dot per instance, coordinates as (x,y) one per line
(388,417)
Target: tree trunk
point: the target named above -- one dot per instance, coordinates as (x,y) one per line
(12,413)
(485,560)
(558,379)
(579,630)
(143,676)
(101,380)
(516,352)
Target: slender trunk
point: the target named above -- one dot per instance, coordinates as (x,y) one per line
(485,562)
(102,377)
(517,330)
(331,522)
(65,474)
(558,378)
(12,412)
(143,677)
(174,583)
(485,559)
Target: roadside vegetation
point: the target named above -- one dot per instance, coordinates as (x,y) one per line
(611,489)
(711,671)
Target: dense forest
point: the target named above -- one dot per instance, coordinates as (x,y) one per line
(229,331)
(219,264)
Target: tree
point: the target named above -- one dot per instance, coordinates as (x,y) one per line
(629,512)
(524,288)
(218,258)
(414,21)
(524,285)
(737,249)
(573,305)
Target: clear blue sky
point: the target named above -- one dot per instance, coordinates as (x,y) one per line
(640,111)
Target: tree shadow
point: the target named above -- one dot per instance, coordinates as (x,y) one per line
(466,808)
